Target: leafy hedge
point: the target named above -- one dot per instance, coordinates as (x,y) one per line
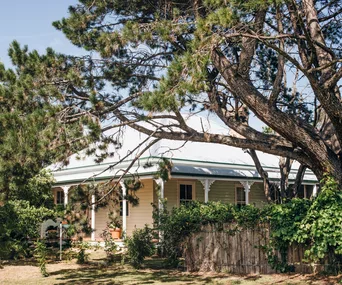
(317,224)
(140,245)
(181,222)
(321,228)
(20,221)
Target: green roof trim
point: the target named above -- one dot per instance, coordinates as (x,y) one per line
(96,179)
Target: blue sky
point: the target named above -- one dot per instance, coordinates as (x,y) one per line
(29,22)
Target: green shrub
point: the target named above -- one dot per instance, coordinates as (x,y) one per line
(82,256)
(179,224)
(285,221)
(40,254)
(110,246)
(19,222)
(322,226)
(140,245)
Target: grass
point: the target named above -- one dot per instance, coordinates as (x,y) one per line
(97,271)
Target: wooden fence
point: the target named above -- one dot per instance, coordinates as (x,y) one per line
(242,252)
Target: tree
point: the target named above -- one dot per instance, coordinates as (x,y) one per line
(32,131)
(151,60)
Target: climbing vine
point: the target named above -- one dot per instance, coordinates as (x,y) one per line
(315,224)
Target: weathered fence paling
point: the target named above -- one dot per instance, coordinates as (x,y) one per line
(242,251)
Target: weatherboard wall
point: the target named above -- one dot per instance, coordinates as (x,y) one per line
(257,195)
(142,213)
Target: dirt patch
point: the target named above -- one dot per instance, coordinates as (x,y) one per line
(98,271)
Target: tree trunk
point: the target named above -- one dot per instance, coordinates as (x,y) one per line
(298,182)
(262,173)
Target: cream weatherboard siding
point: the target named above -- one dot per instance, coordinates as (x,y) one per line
(155,193)
(171,193)
(199,191)
(101,219)
(223,191)
(257,195)
(141,214)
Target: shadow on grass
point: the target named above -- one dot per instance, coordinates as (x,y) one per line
(151,273)
(25,262)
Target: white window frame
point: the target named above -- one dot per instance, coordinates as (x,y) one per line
(186,182)
(235,195)
(56,196)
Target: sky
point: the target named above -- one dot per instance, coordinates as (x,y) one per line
(30,23)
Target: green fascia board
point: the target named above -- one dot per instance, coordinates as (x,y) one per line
(175,174)
(233,177)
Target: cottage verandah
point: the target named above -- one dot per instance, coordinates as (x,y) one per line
(181,188)
(200,171)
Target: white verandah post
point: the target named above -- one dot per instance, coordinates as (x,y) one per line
(207,184)
(160,183)
(314,191)
(247,186)
(93,200)
(66,193)
(124,209)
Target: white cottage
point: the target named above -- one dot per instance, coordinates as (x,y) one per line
(201,171)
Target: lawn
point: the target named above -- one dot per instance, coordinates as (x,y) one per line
(97,271)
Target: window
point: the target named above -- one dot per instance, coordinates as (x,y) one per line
(185,193)
(305,191)
(121,208)
(240,196)
(59,197)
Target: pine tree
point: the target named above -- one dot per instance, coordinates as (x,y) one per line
(33,133)
(152,60)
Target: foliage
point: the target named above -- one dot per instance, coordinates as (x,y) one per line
(321,227)
(179,224)
(81,247)
(313,223)
(31,135)
(285,221)
(40,254)
(19,222)
(217,57)
(36,190)
(140,245)
(115,222)
(164,169)
(110,246)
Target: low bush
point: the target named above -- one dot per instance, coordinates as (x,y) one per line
(19,223)
(82,256)
(110,246)
(40,254)
(321,227)
(140,245)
